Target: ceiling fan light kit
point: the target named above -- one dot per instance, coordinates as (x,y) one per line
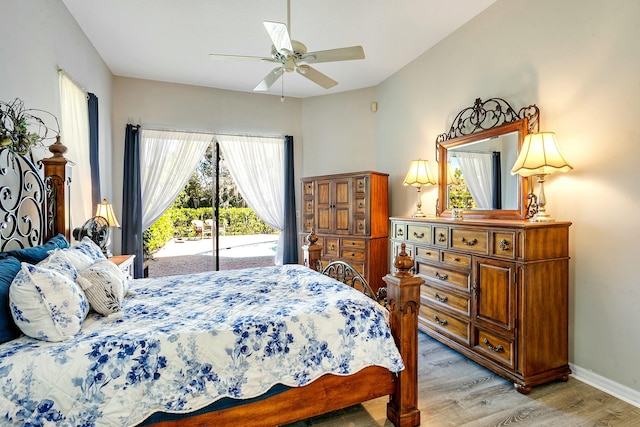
(292,56)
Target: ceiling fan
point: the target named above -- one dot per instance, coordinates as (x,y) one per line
(292,55)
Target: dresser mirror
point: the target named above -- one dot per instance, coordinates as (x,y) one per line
(475,159)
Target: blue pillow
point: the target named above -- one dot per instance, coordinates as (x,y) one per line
(9,267)
(38,253)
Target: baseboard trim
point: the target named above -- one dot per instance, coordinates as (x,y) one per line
(613,388)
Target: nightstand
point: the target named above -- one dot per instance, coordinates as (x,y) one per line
(125,262)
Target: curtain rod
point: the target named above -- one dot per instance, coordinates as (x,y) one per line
(213,133)
(70,77)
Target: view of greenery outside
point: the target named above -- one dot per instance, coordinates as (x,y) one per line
(459,196)
(196,201)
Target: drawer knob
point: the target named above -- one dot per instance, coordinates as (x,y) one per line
(440,322)
(469,242)
(418,236)
(332,247)
(491,347)
(439,298)
(456,259)
(442,277)
(442,237)
(504,245)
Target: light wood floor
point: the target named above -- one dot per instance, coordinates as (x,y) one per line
(454,391)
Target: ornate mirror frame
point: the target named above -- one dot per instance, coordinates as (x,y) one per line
(484,120)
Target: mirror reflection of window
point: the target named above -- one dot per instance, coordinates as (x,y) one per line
(485,167)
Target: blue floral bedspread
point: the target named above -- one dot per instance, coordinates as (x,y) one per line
(187,341)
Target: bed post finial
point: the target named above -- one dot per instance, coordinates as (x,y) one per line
(403,295)
(57,176)
(312,252)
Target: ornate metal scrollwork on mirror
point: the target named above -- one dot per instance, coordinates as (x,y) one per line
(475,158)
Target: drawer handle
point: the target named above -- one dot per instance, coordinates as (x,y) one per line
(399,232)
(418,236)
(439,298)
(360,226)
(455,259)
(440,322)
(360,205)
(504,245)
(492,348)
(332,247)
(428,253)
(469,242)
(443,277)
(442,237)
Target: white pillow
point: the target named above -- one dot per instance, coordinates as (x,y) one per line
(46,304)
(59,262)
(105,286)
(78,259)
(89,248)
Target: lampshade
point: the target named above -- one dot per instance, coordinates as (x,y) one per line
(105,210)
(540,155)
(419,174)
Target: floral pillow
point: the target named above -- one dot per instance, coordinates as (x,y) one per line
(105,286)
(46,304)
(78,259)
(89,248)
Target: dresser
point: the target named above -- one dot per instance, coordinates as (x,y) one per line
(495,290)
(350,214)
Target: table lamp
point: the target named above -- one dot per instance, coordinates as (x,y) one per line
(419,174)
(540,156)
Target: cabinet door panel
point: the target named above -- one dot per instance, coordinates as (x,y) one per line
(495,292)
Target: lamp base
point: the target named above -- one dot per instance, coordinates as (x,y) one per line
(542,217)
(418,214)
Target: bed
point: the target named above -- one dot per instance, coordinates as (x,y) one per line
(319,345)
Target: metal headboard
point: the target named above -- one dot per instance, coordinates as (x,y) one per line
(29,202)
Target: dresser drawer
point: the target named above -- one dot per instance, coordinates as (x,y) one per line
(446,298)
(441,236)
(352,254)
(494,347)
(503,244)
(469,240)
(399,231)
(443,275)
(458,260)
(419,233)
(428,253)
(360,206)
(354,244)
(444,323)
(331,246)
(360,226)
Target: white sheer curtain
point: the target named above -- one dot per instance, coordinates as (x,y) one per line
(167,161)
(477,169)
(257,167)
(74,133)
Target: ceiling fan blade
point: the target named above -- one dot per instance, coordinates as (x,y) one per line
(217,56)
(316,76)
(269,80)
(279,36)
(331,55)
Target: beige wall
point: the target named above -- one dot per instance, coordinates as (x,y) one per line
(38,37)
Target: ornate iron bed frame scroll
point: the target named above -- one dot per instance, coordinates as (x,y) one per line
(33,208)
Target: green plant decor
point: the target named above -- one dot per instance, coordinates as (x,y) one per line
(21,129)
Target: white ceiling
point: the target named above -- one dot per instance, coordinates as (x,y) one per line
(169,40)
